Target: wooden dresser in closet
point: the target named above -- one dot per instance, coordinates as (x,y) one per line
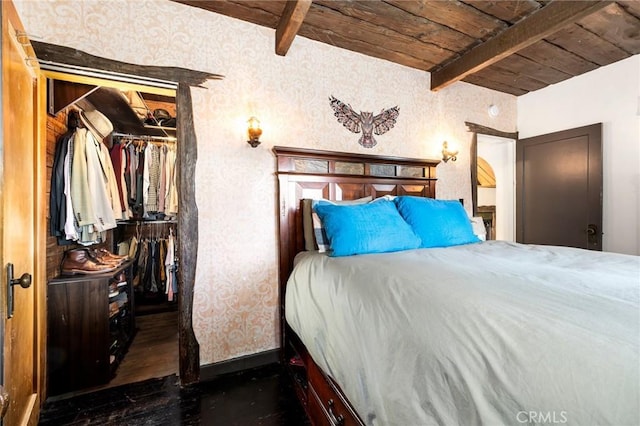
(86,339)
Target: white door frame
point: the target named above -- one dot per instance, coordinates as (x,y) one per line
(501,155)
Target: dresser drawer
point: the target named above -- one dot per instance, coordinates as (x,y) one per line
(325,406)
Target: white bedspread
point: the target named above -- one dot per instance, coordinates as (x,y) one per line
(491,333)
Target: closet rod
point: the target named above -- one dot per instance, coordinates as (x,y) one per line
(147,222)
(146,137)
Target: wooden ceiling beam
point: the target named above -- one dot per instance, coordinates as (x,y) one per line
(289,25)
(374,50)
(541,24)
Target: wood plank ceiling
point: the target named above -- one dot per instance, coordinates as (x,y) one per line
(511,46)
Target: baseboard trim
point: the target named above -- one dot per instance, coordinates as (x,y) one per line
(234,365)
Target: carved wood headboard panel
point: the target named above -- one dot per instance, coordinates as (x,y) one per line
(307,173)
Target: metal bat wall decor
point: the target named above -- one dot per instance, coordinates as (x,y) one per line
(365,121)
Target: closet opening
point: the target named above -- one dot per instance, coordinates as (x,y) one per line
(112,260)
(75,66)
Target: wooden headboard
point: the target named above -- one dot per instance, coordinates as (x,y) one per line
(307,173)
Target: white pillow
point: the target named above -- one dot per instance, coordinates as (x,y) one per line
(477,223)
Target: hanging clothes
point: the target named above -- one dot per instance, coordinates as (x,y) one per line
(99,191)
(85,199)
(171,208)
(119,160)
(130,176)
(151,180)
(57,200)
(110,180)
(140,183)
(170,269)
(148,176)
(88,192)
(155,265)
(80,192)
(162,183)
(151,268)
(71,227)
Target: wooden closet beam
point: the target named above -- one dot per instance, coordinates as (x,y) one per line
(187,155)
(51,53)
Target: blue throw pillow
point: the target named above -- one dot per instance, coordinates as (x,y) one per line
(438,223)
(319,234)
(375,227)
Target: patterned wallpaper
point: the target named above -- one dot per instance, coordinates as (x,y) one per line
(235,308)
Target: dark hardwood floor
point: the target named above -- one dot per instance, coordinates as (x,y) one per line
(146,391)
(262,396)
(153,353)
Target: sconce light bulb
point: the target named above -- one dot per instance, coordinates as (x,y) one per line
(254,131)
(493,110)
(254,123)
(448,155)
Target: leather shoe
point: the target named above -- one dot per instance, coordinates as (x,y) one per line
(108,254)
(79,261)
(106,257)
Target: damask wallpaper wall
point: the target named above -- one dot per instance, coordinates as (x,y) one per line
(235,309)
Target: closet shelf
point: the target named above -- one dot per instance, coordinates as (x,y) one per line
(171,139)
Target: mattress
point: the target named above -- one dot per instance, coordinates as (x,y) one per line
(488,333)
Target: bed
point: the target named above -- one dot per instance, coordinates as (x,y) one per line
(479,333)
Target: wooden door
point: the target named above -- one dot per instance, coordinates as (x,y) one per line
(559,188)
(18,200)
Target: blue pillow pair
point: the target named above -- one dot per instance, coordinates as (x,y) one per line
(375,227)
(438,223)
(402,224)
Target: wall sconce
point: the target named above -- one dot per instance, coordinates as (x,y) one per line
(448,155)
(254,131)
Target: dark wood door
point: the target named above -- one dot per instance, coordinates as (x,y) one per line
(559,188)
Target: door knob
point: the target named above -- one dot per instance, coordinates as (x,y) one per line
(24,281)
(592,234)
(4,401)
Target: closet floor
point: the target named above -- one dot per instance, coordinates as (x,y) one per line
(143,308)
(153,352)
